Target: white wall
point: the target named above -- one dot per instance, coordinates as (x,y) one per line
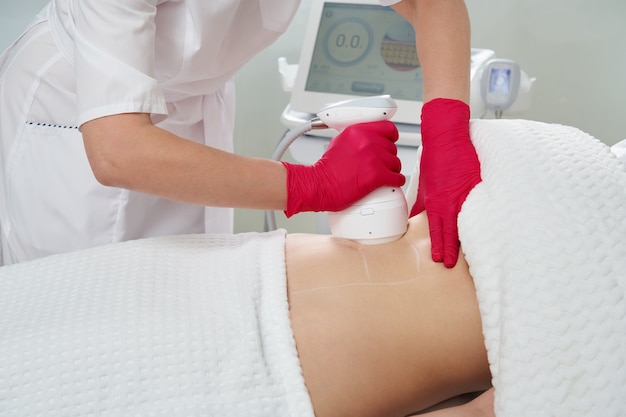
(575,48)
(14,16)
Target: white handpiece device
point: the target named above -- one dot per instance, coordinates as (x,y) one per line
(381,216)
(360,110)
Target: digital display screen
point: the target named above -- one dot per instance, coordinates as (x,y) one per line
(500,80)
(365,50)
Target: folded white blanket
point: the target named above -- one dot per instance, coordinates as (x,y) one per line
(176,326)
(545,237)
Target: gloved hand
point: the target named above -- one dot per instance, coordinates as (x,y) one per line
(449,170)
(359,160)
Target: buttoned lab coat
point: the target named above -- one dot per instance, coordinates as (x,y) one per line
(84,59)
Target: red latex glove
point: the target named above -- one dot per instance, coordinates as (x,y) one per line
(449,169)
(359,160)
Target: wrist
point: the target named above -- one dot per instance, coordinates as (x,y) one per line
(300,186)
(444,118)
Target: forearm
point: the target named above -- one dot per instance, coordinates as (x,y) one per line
(199,174)
(128,151)
(141,157)
(442,30)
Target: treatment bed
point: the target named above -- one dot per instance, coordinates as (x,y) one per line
(128,329)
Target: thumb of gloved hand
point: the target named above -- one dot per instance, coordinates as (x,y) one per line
(359,160)
(449,170)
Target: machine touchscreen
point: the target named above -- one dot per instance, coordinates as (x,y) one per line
(358,49)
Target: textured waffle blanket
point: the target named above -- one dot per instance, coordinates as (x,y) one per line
(143,329)
(545,237)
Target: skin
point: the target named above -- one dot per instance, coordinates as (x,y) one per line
(128,151)
(442,36)
(383,330)
(482,406)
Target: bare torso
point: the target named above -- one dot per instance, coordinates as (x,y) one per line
(383,330)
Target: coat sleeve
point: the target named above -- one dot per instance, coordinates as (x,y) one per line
(114,57)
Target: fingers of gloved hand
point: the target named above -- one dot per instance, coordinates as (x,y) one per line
(451,243)
(364,157)
(389,179)
(379,154)
(387,160)
(384,128)
(444,238)
(359,160)
(435,228)
(366,137)
(351,181)
(442,208)
(372,162)
(449,170)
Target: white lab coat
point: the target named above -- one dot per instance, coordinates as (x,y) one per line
(84,59)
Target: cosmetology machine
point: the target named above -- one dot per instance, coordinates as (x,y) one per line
(357,49)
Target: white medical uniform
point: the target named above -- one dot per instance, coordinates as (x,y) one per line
(84,59)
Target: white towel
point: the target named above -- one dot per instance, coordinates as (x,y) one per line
(175,326)
(545,237)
